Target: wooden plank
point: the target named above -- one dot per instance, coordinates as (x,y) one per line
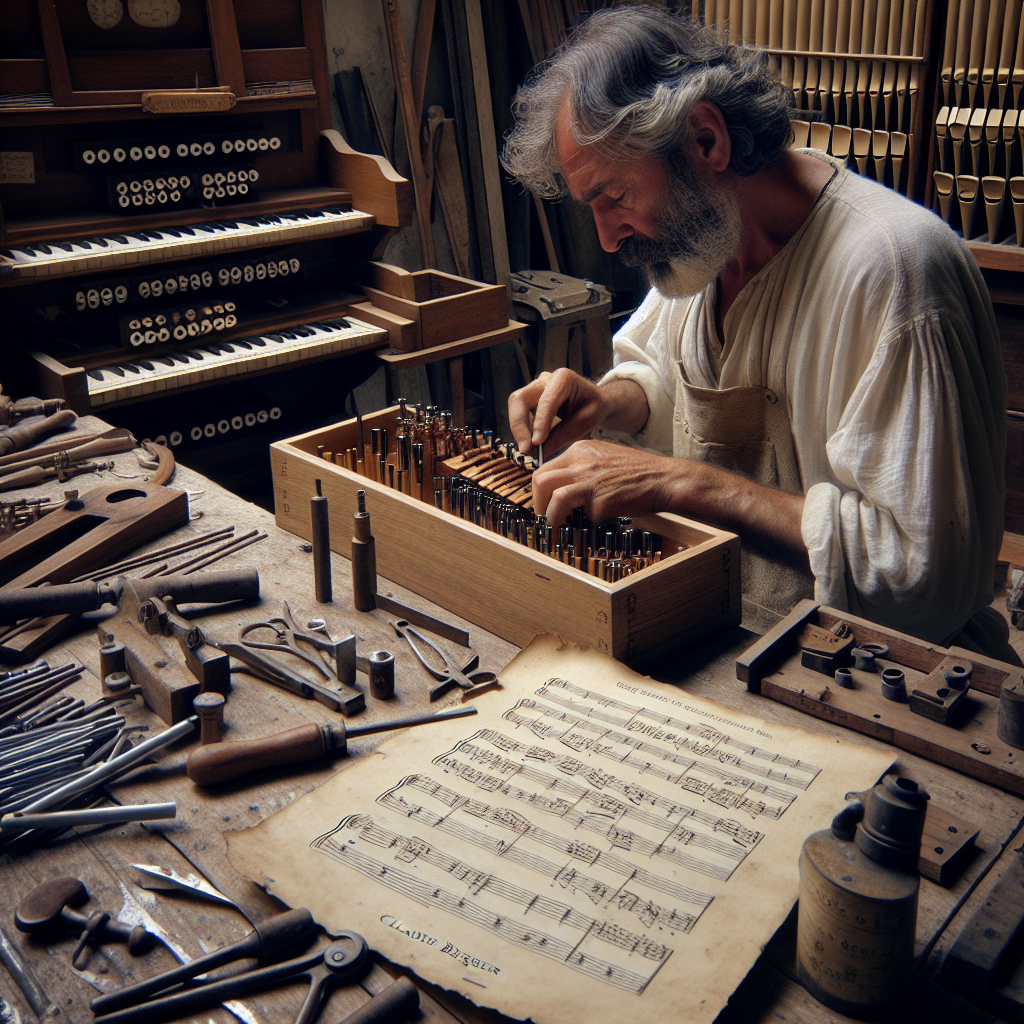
(972,747)
(767,653)
(313,37)
(227,53)
(56,58)
(381,189)
(403,334)
(453,348)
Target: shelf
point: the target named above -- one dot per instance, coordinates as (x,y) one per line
(998,257)
(460,347)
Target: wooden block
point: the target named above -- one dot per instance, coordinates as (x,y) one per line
(823,650)
(947,845)
(403,334)
(166,687)
(766,654)
(979,958)
(505,587)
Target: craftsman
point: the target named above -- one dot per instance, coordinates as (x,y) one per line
(816,366)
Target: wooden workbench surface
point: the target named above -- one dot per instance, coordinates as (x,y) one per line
(194,841)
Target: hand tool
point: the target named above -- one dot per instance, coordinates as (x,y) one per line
(286,639)
(321,527)
(18,822)
(271,940)
(343,962)
(472,681)
(156,877)
(220,762)
(365,596)
(212,587)
(46,910)
(400,1001)
(42,1006)
(27,433)
(134,913)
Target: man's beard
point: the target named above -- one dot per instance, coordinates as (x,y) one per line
(699,231)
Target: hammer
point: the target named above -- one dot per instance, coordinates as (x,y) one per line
(48,907)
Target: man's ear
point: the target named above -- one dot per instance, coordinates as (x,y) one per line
(710,143)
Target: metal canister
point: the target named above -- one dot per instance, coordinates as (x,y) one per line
(858,901)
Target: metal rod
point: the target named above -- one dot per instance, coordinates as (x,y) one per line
(405,723)
(109,769)
(19,822)
(205,554)
(155,556)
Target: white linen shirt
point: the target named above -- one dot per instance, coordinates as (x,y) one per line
(874,325)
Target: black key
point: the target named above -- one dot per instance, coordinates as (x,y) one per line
(171,231)
(139,236)
(95,374)
(226,347)
(40,247)
(258,341)
(230,225)
(66,246)
(97,240)
(83,243)
(132,367)
(146,364)
(208,228)
(121,239)
(187,231)
(243,344)
(276,337)
(115,369)
(180,357)
(165,360)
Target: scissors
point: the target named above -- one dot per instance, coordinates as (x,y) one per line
(347,698)
(472,681)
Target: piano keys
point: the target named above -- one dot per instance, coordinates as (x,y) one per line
(148,373)
(133,246)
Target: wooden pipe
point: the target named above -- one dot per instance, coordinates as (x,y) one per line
(967,188)
(1017,199)
(993,190)
(944,190)
(364,559)
(861,148)
(898,150)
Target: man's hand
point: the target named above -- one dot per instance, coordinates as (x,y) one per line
(610,480)
(579,405)
(607,479)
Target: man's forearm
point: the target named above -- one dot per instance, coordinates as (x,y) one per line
(626,406)
(733,502)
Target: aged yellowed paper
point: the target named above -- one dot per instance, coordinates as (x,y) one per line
(591,846)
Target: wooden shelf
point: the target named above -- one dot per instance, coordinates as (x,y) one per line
(461,347)
(15,117)
(998,257)
(78,225)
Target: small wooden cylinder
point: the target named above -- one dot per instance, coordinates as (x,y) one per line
(210,709)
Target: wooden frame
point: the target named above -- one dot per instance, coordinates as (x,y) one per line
(691,594)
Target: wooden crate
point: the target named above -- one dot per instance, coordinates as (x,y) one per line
(439,306)
(503,586)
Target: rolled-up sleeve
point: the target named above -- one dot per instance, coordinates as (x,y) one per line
(642,350)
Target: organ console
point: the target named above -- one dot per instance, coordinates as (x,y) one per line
(183,272)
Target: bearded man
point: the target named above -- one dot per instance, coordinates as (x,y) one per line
(817,365)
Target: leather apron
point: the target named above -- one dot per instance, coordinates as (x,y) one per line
(746,430)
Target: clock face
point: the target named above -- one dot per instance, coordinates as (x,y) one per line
(105,13)
(154,13)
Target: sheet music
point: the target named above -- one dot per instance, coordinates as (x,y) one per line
(590,845)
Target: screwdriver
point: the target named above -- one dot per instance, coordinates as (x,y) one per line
(219,762)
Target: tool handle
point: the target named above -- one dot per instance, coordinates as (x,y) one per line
(398,1002)
(212,587)
(30,431)
(29,602)
(133,994)
(218,762)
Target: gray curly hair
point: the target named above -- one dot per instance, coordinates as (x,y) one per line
(632,75)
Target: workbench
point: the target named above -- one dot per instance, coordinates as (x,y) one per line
(194,841)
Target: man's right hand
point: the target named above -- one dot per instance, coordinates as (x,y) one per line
(578,405)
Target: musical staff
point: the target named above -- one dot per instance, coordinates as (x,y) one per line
(593,831)
(625,959)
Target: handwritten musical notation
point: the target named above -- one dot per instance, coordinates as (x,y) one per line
(589,830)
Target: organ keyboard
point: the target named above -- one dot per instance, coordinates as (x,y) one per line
(132,246)
(152,372)
(146,255)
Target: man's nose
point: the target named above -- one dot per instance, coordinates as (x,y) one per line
(612,229)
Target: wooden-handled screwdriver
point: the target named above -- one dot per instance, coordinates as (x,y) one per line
(219,762)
